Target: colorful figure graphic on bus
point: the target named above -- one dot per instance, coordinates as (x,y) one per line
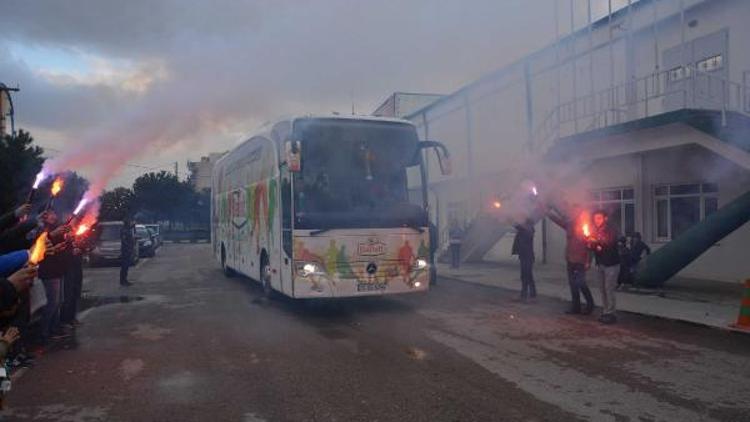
(406,262)
(271,208)
(303,254)
(260,199)
(344,268)
(250,202)
(423,250)
(331,258)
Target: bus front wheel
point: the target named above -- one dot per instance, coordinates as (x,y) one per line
(265,276)
(228,272)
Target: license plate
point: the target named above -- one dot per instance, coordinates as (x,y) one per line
(370,287)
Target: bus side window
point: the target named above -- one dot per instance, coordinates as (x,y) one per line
(286,213)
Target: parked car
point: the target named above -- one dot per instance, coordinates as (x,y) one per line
(107,249)
(145,241)
(156,234)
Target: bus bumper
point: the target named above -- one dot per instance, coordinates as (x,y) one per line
(321,286)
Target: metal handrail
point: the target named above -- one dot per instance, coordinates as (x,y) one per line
(639,98)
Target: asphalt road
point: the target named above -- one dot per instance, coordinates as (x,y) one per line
(201,347)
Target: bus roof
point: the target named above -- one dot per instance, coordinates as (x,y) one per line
(265,129)
(353,117)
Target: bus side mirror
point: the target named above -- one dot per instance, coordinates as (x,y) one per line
(444,161)
(293,156)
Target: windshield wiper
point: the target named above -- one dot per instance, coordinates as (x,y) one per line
(414,227)
(320,231)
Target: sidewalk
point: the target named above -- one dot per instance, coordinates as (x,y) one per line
(703,302)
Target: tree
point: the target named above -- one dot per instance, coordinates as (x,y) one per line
(116,204)
(73,189)
(20,161)
(160,194)
(196,207)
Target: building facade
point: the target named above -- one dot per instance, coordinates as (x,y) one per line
(200,171)
(646,112)
(400,104)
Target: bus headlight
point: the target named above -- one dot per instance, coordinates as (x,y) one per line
(420,264)
(308,268)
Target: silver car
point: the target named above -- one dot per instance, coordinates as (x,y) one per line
(107,248)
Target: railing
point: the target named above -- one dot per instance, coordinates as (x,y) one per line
(642,97)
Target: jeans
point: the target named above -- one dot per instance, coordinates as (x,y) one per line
(577,282)
(455,254)
(51,311)
(528,288)
(608,284)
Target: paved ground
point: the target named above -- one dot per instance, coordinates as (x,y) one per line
(711,303)
(202,347)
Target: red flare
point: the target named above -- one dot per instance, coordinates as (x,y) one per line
(36,255)
(57,186)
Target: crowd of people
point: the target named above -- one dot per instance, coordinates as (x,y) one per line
(590,239)
(38,301)
(593,247)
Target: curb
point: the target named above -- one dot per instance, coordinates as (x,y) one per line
(729,328)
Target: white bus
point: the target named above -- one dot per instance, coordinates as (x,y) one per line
(318,207)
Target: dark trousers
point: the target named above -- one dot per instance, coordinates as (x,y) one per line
(577,282)
(21,320)
(455,254)
(51,311)
(624,276)
(528,287)
(71,292)
(124,267)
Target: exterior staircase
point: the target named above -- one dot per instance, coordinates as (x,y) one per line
(481,235)
(723,114)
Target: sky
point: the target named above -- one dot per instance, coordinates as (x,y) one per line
(113,89)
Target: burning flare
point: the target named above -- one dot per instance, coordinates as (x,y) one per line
(88,221)
(497,205)
(82,229)
(586,230)
(80,206)
(57,186)
(534,191)
(36,255)
(39,177)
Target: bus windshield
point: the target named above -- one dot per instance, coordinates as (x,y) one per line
(354,174)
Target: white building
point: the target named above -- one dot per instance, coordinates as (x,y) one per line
(648,107)
(200,171)
(6,110)
(400,104)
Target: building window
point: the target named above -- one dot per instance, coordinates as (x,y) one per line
(678,73)
(619,204)
(710,64)
(678,207)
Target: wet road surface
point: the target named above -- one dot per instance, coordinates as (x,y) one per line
(187,344)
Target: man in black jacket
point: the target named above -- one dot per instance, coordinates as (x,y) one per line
(127,244)
(51,272)
(523,246)
(603,242)
(14,226)
(10,218)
